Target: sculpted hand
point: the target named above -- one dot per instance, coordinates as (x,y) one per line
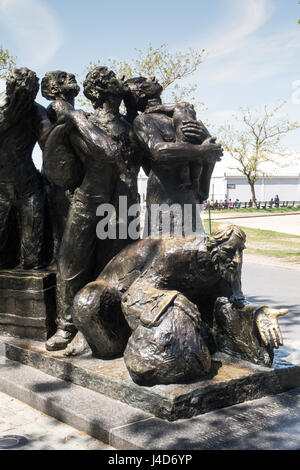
(18,105)
(194,131)
(213,149)
(268,327)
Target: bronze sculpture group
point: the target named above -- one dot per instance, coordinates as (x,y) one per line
(166,304)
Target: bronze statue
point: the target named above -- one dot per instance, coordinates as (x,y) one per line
(61,88)
(170,306)
(104,153)
(179,153)
(23,122)
(162,303)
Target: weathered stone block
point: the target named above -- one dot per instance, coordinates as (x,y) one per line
(27,304)
(231,381)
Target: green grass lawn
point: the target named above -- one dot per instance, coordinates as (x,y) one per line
(277,245)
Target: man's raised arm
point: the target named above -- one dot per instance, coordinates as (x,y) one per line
(42,125)
(160,150)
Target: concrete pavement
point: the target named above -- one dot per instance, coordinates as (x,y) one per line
(279,288)
(284,223)
(24,428)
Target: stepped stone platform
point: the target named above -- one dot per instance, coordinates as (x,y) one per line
(229,384)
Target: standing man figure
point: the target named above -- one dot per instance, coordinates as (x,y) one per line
(180,154)
(23,122)
(61,88)
(102,144)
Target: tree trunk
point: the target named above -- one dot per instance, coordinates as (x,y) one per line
(252,187)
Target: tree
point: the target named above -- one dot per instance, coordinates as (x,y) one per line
(7,62)
(169,68)
(256,140)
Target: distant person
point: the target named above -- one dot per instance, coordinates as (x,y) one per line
(276,200)
(230,204)
(250,203)
(271,203)
(237,204)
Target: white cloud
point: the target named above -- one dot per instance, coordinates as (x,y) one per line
(237,54)
(35,29)
(260,58)
(241,72)
(247,64)
(252,56)
(247,18)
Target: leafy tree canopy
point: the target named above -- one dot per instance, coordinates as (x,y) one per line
(168,67)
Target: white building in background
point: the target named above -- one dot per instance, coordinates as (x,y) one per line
(227,183)
(229,186)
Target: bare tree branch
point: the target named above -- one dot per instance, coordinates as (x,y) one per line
(257,140)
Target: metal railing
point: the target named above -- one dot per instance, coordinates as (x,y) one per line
(250,205)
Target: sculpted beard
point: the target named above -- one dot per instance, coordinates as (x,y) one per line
(227,269)
(71,89)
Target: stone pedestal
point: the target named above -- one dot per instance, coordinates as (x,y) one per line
(231,381)
(27,304)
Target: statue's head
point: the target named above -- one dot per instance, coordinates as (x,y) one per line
(140,90)
(24,80)
(226,245)
(58,84)
(101,84)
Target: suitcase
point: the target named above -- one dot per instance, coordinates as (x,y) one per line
(27,304)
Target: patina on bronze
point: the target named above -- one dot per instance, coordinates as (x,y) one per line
(179,154)
(61,88)
(168,305)
(23,122)
(102,144)
(173,294)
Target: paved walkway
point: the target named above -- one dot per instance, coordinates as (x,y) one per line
(279,223)
(277,288)
(41,432)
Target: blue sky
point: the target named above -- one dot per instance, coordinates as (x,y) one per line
(252,45)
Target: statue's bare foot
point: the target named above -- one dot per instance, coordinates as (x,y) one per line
(60,340)
(78,346)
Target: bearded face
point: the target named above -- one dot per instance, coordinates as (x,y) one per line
(227,258)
